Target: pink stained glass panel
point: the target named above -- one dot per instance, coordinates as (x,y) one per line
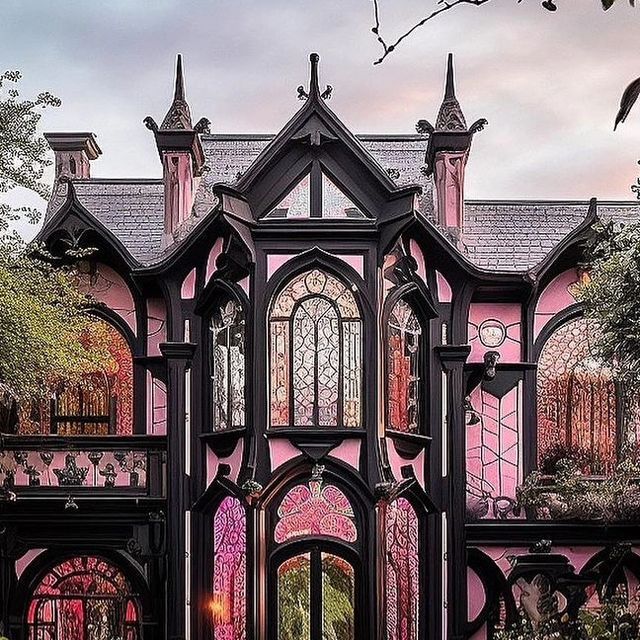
(315,509)
(228,605)
(577,412)
(402,575)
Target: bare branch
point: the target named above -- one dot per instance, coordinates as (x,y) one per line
(443,5)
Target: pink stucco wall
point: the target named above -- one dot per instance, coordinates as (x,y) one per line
(156,325)
(556,296)
(444,288)
(216,250)
(510,315)
(418,256)
(188,288)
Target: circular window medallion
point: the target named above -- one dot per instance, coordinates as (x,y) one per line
(492,333)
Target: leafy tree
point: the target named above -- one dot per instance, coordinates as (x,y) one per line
(389,46)
(42,312)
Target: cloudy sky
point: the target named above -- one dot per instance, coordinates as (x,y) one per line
(549,83)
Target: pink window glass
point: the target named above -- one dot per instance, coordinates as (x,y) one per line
(402,574)
(577,404)
(315,509)
(315,352)
(228,604)
(403,362)
(84,598)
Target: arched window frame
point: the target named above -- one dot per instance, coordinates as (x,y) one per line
(417,297)
(562,318)
(47,561)
(222,295)
(345,274)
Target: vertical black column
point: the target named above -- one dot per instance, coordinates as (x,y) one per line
(453,358)
(178,356)
(7,578)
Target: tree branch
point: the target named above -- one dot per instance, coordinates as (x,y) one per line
(443,5)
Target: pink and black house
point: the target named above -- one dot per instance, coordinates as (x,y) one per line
(330,373)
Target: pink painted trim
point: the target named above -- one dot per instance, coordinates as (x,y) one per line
(25,560)
(444,289)
(188,289)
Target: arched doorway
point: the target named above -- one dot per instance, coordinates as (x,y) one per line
(83,598)
(315,585)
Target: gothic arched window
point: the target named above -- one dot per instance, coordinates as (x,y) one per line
(403,369)
(315,346)
(229,602)
(402,571)
(577,403)
(228,366)
(83,598)
(99,401)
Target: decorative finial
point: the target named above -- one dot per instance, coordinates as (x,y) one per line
(450,89)
(314,84)
(179,91)
(179,115)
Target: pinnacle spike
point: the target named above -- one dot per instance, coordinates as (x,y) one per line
(314,85)
(450,89)
(179,91)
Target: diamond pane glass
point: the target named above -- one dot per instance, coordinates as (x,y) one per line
(315,354)
(228,367)
(403,362)
(577,404)
(338,597)
(315,509)
(84,598)
(228,605)
(402,573)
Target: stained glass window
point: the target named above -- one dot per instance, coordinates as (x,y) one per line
(338,596)
(315,509)
(228,604)
(100,402)
(403,362)
(84,598)
(294,598)
(315,354)
(577,414)
(402,574)
(228,366)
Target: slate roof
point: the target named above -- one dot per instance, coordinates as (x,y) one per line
(498,235)
(516,235)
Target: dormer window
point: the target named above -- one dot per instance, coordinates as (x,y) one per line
(316,195)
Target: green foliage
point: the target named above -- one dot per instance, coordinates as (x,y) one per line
(611,295)
(42,312)
(569,495)
(613,620)
(23,151)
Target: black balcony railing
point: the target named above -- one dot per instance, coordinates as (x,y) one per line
(54,465)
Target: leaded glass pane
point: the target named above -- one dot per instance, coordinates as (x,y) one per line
(403,363)
(402,574)
(296,204)
(228,604)
(321,373)
(228,367)
(577,405)
(338,597)
(315,509)
(294,598)
(335,204)
(84,598)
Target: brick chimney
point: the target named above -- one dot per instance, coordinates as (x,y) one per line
(73,153)
(181,155)
(447,155)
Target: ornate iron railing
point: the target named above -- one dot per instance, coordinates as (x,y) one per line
(127,465)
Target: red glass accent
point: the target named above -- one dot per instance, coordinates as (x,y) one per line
(315,509)
(402,575)
(227,605)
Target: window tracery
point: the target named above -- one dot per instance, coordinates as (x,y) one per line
(577,404)
(403,369)
(315,353)
(228,366)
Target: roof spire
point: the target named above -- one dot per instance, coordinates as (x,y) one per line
(179,114)
(450,116)
(450,90)
(314,83)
